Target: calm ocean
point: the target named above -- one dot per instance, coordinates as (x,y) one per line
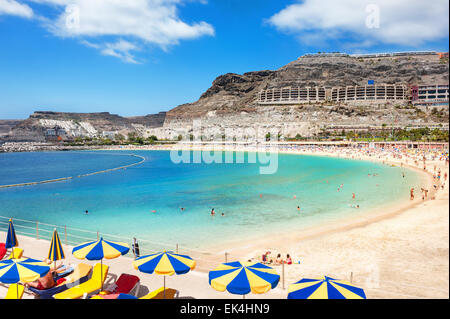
(121,202)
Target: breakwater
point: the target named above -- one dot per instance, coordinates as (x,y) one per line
(141,160)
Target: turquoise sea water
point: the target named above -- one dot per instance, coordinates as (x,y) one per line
(121,202)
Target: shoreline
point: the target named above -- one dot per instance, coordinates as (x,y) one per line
(363,218)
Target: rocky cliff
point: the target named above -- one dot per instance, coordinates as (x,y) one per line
(71,125)
(231,92)
(231,101)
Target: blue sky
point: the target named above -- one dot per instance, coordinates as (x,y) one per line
(145,56)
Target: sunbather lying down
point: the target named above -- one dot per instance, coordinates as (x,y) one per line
(46,281)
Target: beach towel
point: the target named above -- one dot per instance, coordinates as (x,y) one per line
(2,250)
(125,284)
(63,272)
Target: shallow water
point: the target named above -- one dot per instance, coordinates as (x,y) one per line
(121,202)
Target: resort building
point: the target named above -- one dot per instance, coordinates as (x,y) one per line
(368,93)
(430,94)
(364,93)
(425,94)
(109,134)
(55,134)
(291,95)
(336,128)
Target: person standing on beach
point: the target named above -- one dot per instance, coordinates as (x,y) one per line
(353,195)
(135,248)
(213,212)
(412,193)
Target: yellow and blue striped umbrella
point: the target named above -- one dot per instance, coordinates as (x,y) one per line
(24,269)
(56,251)
(99,249)
(242,278)
(164,263)
(324,288)
(11,238)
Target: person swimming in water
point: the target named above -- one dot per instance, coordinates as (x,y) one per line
(86,212)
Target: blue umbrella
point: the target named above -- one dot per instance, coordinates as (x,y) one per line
(11,238)
(99,249)
(125,296)
(25,269)
(324,288)
(243,278)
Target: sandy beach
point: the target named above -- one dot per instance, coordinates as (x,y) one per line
(397,252)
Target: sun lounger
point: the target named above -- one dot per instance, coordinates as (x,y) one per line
(18,252)
(2,250)
(159,294)
(87,288)
(78,276)
(124,285)
(15,291)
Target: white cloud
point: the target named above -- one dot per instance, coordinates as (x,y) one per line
(120,49)
(402,22)
(128,25)
(11,7)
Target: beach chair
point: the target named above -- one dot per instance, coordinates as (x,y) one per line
(18,252)
(159,294)
(78,276)
(15,291)
(124,285)
(2,250)
(87,288)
